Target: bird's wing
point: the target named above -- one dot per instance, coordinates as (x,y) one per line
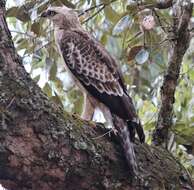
(87,63)
(98,72)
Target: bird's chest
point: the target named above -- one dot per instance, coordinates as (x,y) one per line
(58,38)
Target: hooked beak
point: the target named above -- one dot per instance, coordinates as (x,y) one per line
(44,14)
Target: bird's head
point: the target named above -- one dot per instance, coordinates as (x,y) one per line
(62,17)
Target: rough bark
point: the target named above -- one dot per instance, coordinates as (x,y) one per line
(158,4)
(44,148)
(182,12)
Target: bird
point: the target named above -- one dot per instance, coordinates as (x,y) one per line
(98,75)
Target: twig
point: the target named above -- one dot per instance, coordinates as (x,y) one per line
(91,8)
(135,36)
(93,15)
(23,33)
(159,21)
(96,6)
(28,54)
(103,6)
(44,45)
(108,132)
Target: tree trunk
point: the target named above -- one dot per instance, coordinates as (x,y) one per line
(182,13)
(43,148)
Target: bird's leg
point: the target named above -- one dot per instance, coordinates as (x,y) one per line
(108,117)
(88,109)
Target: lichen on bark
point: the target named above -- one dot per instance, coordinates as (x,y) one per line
(43,148)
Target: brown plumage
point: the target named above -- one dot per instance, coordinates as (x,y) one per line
(96,73)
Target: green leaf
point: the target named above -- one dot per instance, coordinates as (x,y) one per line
(23,44)
(53,72)
(121,25)
(37,78)
(57,100)
(68,4)
(191,74)
(39,64)
(58,84)
(184,133)
(104,39)
(110,14)
(155,70)
(47,89)
(142,56)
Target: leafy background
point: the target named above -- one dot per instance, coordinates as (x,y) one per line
(142,54)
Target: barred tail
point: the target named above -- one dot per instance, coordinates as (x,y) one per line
(128,148)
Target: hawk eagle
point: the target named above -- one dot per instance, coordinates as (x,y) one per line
(98,76)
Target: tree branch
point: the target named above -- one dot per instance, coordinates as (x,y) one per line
(164,4)
(178,48)
(159,5)
(43,148)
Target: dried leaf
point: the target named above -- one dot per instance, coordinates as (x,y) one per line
(12,12)
(35,27)
(133,52)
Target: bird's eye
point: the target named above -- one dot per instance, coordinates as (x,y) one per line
(51,13)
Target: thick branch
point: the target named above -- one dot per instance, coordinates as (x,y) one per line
(159,5)
(164,4)
(44,148)
(179,47)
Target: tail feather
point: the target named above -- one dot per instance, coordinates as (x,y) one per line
(139,129)
(128,147)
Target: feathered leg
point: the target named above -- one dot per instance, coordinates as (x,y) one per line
(88,108)
(107,114)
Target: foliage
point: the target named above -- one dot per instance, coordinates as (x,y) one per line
(143,54)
